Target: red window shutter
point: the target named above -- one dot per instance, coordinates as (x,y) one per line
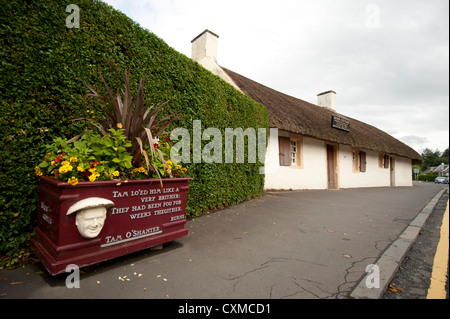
(362,158)
(284,144)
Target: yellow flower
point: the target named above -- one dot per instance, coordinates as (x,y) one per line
(80,168)
(119,125)
(37,171)
(184,169)
(169,162)
(72,181)
(142,170)
(65,168)
(94,174)
(73,159)
(116,173)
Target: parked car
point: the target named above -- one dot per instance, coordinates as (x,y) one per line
(441,180)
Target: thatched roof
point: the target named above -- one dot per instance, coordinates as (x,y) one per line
(300,117)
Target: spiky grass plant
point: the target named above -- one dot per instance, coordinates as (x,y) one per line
(142,123)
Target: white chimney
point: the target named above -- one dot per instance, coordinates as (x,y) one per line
(205,46)
(327,99)
(204,51)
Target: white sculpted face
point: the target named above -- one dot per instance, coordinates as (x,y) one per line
(90,221)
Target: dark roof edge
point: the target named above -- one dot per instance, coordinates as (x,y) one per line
(330,91)
(206,30)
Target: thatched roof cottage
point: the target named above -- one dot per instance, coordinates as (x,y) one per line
(314,146)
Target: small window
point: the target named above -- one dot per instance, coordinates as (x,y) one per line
(293,152)
(383,160)
(290,151)
(359,160)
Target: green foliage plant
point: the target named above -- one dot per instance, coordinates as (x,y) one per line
(92,157)
(95,157)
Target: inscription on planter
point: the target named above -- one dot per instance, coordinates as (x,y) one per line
(144,204)
(131,235)
(143,192)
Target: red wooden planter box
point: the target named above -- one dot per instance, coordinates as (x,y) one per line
(143,215)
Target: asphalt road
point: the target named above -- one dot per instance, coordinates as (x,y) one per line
(284,245)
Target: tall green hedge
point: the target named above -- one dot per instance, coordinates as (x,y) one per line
(41,63)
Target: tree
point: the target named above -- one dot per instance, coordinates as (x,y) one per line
(443,158)
(433,158)
(429,157)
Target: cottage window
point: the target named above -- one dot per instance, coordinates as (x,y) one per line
(359,160)
(293,152)
(290,151)
(383,160)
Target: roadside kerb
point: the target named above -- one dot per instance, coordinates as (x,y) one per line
(390,260)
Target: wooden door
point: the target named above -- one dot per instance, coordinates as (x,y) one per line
(392,164)
(331,167)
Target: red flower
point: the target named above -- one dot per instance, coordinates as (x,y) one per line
(156,145)
(166,139)
(93,164)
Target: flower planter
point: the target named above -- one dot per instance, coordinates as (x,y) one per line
(96,221)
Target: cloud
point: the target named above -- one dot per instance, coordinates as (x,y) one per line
(417,142)
(387,60)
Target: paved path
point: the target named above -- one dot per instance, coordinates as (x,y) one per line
(302,244)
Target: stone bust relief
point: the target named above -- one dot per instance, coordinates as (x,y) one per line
(91,215)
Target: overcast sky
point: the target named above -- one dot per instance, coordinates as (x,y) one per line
(388,61)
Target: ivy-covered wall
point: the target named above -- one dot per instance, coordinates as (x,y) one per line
(42,62)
